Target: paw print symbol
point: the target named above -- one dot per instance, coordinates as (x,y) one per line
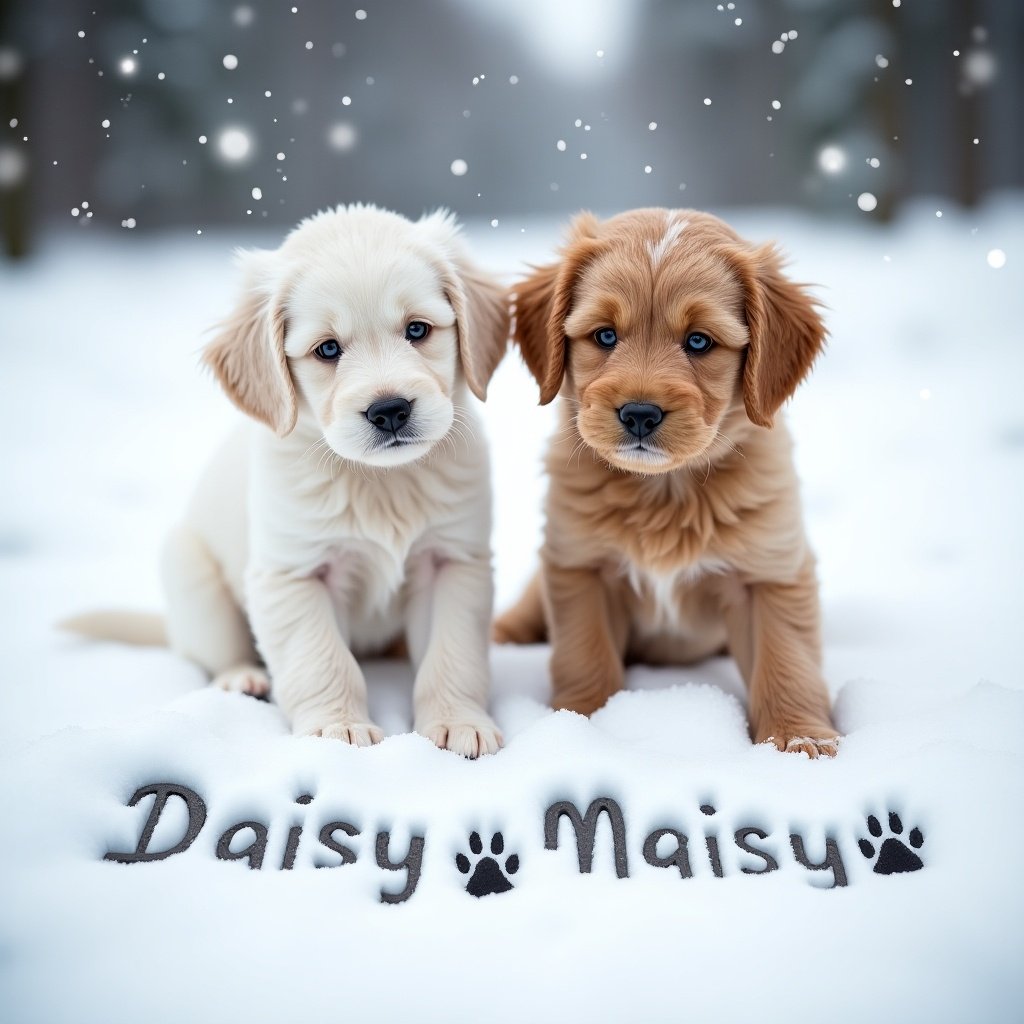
(895,856)
(487,874)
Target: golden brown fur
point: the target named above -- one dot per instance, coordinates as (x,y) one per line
(671,554)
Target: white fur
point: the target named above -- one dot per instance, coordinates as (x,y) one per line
(674,227)
(327,545)
(662,587)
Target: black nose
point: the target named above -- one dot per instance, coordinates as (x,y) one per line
(639,418)
(389,414)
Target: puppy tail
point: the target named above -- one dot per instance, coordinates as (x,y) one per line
(140,629)
(524,622)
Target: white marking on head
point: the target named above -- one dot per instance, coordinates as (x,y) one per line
(659,250)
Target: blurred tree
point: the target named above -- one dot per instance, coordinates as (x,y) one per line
(14,162)
(195,112)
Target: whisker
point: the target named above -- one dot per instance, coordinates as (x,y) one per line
(324,459)
(577,452)
(464,420)
(729,443)
(315,447)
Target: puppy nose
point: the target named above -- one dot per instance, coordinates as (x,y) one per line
(389,414)
(640,418)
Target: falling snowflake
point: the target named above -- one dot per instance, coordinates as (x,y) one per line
(234,144)
(980,67)
(341,137)
(13,166)
(832,159)
(11,63)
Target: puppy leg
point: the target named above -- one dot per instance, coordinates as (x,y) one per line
(204,622)
(524,622)
(588,638)
(448,633)
(316,680)
(774,632)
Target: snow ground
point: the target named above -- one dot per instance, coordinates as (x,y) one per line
(910,441)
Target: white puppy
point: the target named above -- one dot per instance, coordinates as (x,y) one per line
(357,511)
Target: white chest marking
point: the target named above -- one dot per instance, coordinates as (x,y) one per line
(662,587)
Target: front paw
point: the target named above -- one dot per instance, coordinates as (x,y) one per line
(470,736)
(584,694)
(815,739)
(358,734)
(583,704)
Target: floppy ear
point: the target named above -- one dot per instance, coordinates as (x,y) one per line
(479,303)
(786,334)
(543,303)
(481,322)
(247,354)
(544,358)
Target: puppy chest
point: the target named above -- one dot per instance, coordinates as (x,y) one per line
(672,602)
(364,580)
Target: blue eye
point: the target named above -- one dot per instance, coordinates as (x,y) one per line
(416,330)
(328,351)
(697,343)
(606,337)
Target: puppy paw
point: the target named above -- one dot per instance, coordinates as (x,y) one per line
(585,707)
(244,679)
(585,691)
(583,702)
(358,734)
(469,738)
(819,742)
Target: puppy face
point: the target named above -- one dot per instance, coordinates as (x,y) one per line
(363,324)
(661,324)
(373,352)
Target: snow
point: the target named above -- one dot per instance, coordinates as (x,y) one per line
(910,443)
(234,144)
(832,159)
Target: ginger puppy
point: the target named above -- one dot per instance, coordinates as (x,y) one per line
(674,527)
